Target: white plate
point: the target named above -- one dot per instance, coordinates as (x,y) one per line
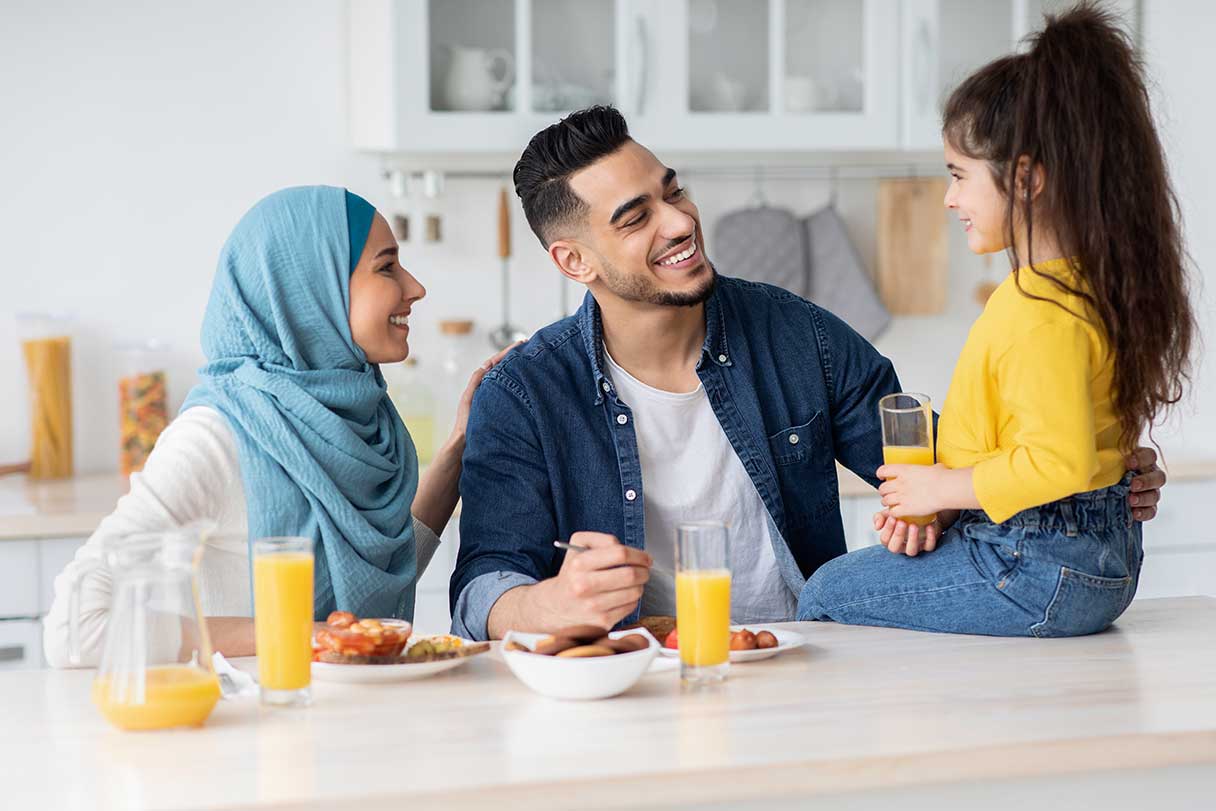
(786,640)
(379,674)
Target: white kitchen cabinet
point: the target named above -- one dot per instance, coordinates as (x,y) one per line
(943,41)
(483,76)
(18,579)
(20,644)
(53,555)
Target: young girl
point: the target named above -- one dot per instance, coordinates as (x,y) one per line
(291,431)
(1055,161)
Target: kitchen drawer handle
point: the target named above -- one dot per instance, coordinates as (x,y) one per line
(12,653)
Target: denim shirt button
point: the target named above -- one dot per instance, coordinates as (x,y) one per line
(621,419)
(721,359)
(630,495)
(793,439)
(607,386)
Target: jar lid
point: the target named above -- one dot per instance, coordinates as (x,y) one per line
(457,327)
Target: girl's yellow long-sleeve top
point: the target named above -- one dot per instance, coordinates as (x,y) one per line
(1030,405)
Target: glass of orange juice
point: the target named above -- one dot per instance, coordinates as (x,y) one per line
(703,602)
(907,435)
(282,611)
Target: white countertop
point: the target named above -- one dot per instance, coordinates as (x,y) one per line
(72,508)
(858,708)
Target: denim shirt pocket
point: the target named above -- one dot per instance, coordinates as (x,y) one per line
(805,472)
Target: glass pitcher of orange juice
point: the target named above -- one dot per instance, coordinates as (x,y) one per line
(155,669)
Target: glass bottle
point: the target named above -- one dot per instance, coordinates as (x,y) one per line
(415,403)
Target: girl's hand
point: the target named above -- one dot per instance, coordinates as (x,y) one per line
(913,489)
(456,438)
(901,537)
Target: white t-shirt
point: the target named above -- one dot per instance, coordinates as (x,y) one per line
(690,472)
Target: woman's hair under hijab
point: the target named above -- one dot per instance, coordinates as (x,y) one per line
(1076,104)
(543,171)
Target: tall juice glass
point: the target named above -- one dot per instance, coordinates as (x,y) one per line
(907,435)
(282,607)
(703,602)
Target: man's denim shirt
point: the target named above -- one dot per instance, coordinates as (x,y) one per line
(551,448)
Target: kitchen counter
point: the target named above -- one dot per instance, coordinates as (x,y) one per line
(59,508)
(869,712)
(72,508)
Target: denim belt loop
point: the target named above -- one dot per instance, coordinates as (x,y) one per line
(1068,513)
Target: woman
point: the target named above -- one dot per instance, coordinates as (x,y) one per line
(291,431)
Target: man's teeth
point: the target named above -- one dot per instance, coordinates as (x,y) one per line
(680,257)
(398,320)
(967,223)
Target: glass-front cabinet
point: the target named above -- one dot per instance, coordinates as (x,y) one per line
(469,76)
(484,75)
(944,41)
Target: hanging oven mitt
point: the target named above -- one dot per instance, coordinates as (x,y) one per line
(763,245)
(838,281)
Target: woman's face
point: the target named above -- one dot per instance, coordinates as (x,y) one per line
(382,293)
(981,206)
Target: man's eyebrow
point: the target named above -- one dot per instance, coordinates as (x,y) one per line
(955,168)
(626,207)
(392,249)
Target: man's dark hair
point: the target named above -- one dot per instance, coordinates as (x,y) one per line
(555,153)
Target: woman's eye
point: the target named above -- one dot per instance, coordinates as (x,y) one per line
(677,193)
(386,270)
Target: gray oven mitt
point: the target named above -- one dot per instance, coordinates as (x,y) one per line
(764,245)
(838,281)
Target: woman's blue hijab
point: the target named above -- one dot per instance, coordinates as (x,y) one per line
(323,452)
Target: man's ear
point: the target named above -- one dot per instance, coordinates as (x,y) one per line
(570,258)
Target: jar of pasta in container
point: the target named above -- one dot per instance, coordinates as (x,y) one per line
(46,346)
(143,405)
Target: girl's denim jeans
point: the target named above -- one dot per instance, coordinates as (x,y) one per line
(1063,569)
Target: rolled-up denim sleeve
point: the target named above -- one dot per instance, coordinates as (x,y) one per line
(507,519)
(473,606)
(858,376)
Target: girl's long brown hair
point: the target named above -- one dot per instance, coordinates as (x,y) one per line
(1076,105)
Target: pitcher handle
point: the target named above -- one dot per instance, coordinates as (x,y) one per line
(508,69)
(84,568)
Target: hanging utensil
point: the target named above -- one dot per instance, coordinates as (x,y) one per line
(507,333)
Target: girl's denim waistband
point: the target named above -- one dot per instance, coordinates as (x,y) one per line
(1092,511)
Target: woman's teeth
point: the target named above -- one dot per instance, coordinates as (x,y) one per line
(680,257)
(398,320)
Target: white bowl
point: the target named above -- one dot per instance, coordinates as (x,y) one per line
(578,679)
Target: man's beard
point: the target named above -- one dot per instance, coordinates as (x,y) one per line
(641,289)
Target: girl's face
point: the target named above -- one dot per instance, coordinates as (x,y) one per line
(382,294)
(981,206)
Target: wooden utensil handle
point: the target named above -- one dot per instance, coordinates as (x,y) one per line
(504,224)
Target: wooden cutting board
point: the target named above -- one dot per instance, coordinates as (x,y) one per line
(913,258)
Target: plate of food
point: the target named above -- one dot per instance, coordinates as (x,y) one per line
(747,644)
(349,649)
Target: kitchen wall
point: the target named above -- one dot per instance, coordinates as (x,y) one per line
(145,130)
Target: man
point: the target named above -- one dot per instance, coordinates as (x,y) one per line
(674,394)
